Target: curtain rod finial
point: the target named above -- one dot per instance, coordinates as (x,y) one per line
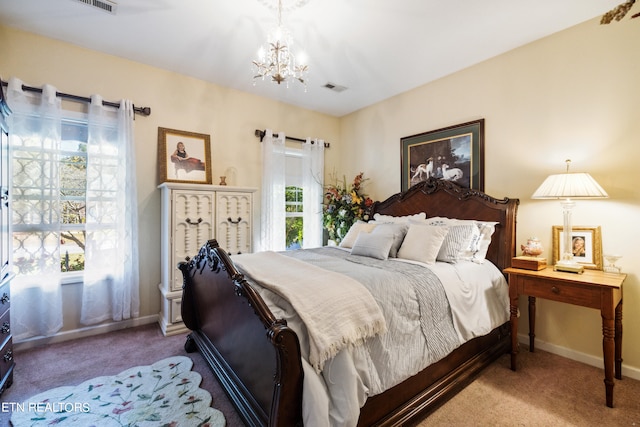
(260,134)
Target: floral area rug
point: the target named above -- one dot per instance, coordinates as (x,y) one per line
(165,394)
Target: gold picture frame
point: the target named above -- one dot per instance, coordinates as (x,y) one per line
(184,156)
(590,256)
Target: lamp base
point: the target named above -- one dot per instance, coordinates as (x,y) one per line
(569,268)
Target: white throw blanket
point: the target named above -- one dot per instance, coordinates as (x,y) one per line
(336,310)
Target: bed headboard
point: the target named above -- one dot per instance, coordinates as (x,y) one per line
(437,197)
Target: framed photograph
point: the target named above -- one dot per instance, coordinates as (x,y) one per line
(184,156)
(454,153)
(586,245)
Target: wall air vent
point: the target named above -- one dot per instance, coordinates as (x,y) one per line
(334,87)
(104,5)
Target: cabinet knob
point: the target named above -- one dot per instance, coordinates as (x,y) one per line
(4,299)
(555,290)
(6,328)
(234,222)
(8,356)
(188,221)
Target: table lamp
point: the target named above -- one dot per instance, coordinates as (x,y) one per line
(569,186)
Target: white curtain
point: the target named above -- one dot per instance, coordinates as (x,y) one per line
(35,132)
(272,223)
(111,274)
(313,191)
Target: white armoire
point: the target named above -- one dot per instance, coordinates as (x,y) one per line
(191,215)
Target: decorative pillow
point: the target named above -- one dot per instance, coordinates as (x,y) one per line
(398,231)
(373,245)
(479,240)
(456,242)
(422,243)
(353,232)
(478,246)
(399,219)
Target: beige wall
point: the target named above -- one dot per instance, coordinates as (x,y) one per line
(575,94)
(571,95)
(230,117)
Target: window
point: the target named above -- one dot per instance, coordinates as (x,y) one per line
(29,171)
(293,199)
(284,167)
(74,210)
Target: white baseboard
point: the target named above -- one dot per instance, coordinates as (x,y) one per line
(627,371)
(84,332)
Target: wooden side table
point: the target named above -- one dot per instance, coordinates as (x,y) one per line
(593,288)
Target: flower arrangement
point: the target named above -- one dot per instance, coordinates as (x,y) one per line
(343,206)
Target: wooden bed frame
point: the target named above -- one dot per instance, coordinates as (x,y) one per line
(256,357)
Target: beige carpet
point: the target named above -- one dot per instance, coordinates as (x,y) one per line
(546,390)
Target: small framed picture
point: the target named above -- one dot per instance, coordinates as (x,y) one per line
(184,156)
(586,245)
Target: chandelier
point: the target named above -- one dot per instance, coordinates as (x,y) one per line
(276,60)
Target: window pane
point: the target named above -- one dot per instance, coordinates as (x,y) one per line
(32,249)
(294,232)
(293,199)
(72,251)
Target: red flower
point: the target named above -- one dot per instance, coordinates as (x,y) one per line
(119,411)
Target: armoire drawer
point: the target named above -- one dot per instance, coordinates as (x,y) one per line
(6,357)
(5,326)
(5,298)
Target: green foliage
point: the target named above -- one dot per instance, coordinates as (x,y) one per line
(293,224)
(73,262)
(294,231)
(343,206)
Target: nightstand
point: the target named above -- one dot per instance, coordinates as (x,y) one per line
(593,288)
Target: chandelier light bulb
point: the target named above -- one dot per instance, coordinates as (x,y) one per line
(261,54)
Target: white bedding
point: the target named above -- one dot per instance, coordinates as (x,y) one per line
(415,337)
(355,314)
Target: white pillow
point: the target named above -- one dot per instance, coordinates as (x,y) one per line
(479,244)
(398,231)
(353,232)
(456,242)
(399,219)
(373,245)
(422,243)
(479,241)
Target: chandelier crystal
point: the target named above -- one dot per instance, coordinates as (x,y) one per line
(276,60)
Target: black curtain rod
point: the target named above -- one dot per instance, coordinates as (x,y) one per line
(261,133)
(143,111)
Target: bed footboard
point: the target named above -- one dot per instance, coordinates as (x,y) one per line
(255,356)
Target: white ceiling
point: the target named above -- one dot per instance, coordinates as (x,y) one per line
(376,48)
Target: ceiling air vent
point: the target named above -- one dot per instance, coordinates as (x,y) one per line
(335,87)
(104,5)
